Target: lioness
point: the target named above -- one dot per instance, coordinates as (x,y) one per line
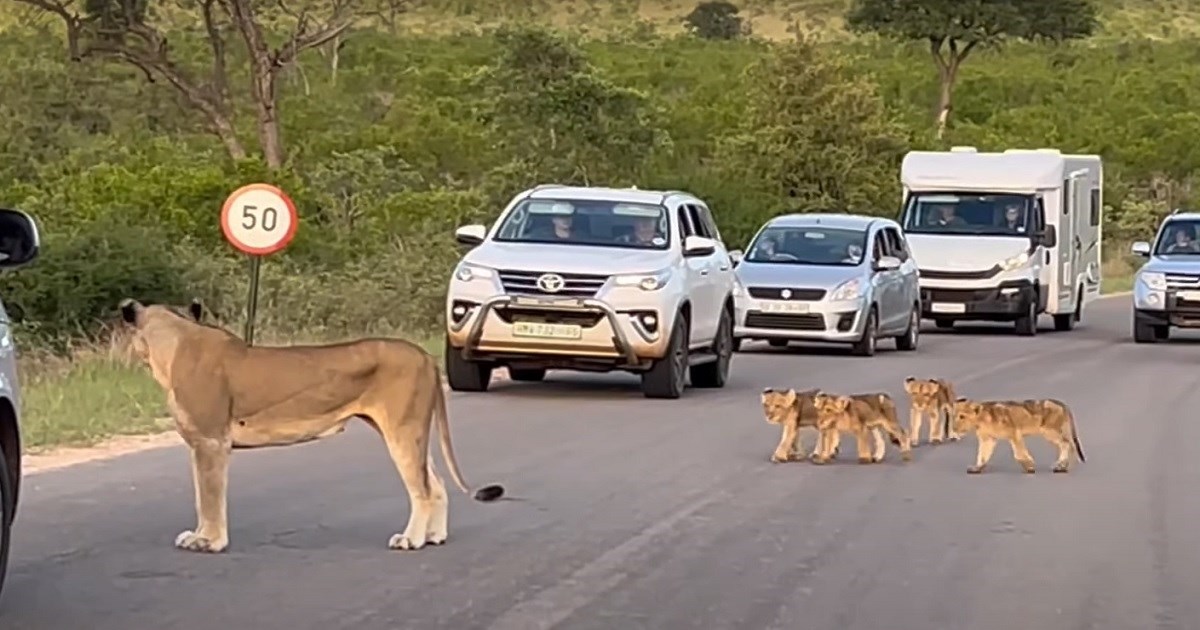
(861,415)
(1012,420)
(933,397)
(794,411)
(224,394)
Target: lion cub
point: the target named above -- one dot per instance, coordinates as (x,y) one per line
(863,415)
(794,411)
(1012,420)
(933,397)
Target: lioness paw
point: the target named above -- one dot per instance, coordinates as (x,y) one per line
(402,542)
(1060,468)
(191,541)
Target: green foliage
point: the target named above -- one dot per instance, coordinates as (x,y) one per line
(975,22)
(715,19)
(417,134)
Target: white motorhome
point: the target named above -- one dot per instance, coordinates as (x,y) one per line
(1004,236)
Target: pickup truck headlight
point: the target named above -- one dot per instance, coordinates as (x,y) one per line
(848,290)
(1015,262)
(467,272)
(1155,281)
(645,281)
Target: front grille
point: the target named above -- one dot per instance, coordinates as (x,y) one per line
(586,319)
(934,274)
(775,293)
(1183,281)
(957,295)
(809,321)
(578,285)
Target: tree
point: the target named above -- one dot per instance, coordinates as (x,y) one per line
(816,136)
(136,32)
(954,28)
(715,19)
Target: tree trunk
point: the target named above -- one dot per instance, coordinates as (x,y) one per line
(269,134)
(947,75)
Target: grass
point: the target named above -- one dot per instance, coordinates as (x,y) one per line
(96,393)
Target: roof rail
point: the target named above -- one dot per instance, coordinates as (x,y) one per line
(544,186)
(1176,211)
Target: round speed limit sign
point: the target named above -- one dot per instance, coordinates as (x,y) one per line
(259,219)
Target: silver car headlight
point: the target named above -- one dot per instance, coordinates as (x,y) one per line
(848,290)
(468,272)
(645,281)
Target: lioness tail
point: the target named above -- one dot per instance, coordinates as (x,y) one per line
(486,493)
(1074,432)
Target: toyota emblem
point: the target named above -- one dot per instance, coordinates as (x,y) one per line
(785,294)
(550,282)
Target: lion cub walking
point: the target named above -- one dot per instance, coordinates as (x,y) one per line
(793,411)
(862,415)
(1012,420)
(933,397)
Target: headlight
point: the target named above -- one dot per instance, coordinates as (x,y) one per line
(467,272)
(848,290)
(645,281)
(1015,262)
(1153,280)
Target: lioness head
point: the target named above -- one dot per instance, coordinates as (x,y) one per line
(155,323)
(966,414)
(778,404)
(922,391)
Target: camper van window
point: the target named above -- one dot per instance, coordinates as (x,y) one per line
(969,213)
(1179,237)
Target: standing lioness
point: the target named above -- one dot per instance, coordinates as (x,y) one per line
(224,394)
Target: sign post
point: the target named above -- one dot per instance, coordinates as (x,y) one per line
(258,220)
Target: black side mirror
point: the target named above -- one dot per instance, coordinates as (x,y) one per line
(19,239)
(1049,236)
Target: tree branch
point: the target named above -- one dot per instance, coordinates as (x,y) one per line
(216,40)
(935,50)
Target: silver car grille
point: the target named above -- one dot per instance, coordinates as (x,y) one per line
(578,285)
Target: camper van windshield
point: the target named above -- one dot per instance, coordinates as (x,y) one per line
(1179,237)
(968,213)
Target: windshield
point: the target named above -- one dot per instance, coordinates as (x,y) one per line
(587,222)
(813,245)
(967,213)
(1179,237)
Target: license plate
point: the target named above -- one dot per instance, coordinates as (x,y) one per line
(547,331)
(785,307)
(947,307)
(1191,296)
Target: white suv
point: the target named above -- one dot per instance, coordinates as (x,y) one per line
(19,244)
(593,279)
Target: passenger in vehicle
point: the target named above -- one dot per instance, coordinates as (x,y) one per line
(944,215)
(645,231)
(1184,242)
(1013,219)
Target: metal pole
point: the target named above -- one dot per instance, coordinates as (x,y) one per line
(252,299)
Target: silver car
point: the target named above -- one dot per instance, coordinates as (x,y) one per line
(19,245)
(838,278)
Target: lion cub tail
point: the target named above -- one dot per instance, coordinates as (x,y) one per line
(442,418)
(1074,433)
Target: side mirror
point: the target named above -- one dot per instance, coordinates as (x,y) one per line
(470,234)
(19,239)
(699,246)
(1140,248)
(736,257)
(1049,236)
(887,263)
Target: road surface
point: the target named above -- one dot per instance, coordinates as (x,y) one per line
(632,513)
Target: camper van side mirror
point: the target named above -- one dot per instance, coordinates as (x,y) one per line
(1140,248)
(19,239)
(1049,236)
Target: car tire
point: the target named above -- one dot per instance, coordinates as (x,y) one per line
(1143,333)
(1063,323)
(908,341)
(7,509)
(714,374)
(528,375)
(463,375)
(737,344)
(865,346)
(667,377)
(1027,323)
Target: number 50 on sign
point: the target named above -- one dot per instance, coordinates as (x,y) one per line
(260,220)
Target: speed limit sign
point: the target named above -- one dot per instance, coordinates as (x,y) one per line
(259,219)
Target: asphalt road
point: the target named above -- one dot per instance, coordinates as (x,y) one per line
(631,513)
